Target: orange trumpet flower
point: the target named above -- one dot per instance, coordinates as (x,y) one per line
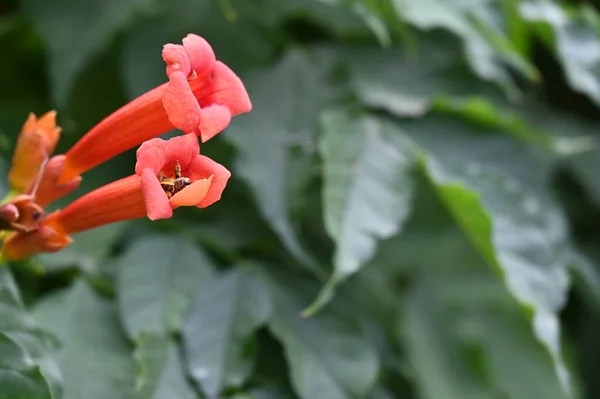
(153,191)
(201,97)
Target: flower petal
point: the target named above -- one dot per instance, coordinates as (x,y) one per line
(28,158)
(157,203)
(47,125)
(181,148)
(181,105)
(192,194)
(137,121)
(201,54)
(35,144)
(20,246)
(177,59)
(49,189)
(226,88)
(30,123)
(203,167)
(213,120)
(151,154)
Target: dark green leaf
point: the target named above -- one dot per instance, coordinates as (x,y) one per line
(367,187)
(286,102)
(21,78)
(575,41)
(94,354)
(405,84)
(160,370)
(88,251)
(484,113)
(476,22)
(586,275)
(218,332)
(74,32)
(466,339)
(328,356)
(520,233)
(32,345)
(158,279)
(453,140)
(374,16)
(19,376)
(573,136)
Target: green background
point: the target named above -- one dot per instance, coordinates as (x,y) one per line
(420,177)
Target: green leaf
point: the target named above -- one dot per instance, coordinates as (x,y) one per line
(160,370)
(435,359)
(405,84)
(19,376)
(94,355)
(355,20)
(476,23)
(466,338)
(367,188)
(75,32)
(21,78)
(429,226)
(450,139)
(574,37)
(572,135)
(88,251)
(32,345)
(373,15)
(495,188)
(286,102)
(485,113)
(328,355)
(218,332)
(520,233)
(585,270)
(264,393)
(157,280)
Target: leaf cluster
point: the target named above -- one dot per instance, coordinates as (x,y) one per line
(413,212)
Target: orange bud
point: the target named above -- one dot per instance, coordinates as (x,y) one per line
(35,144)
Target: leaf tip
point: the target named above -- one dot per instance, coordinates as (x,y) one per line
(323,298)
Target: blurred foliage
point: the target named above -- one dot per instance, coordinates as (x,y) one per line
(419,177)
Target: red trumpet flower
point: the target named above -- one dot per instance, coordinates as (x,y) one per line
(153,192)
(201,97)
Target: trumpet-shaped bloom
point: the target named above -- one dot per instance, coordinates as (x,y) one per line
(158,157)
(132,197)
(18,246)
(35,144)
(201,97)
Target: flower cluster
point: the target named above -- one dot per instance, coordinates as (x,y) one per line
(200,97)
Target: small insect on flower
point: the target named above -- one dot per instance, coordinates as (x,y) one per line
(174,185)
